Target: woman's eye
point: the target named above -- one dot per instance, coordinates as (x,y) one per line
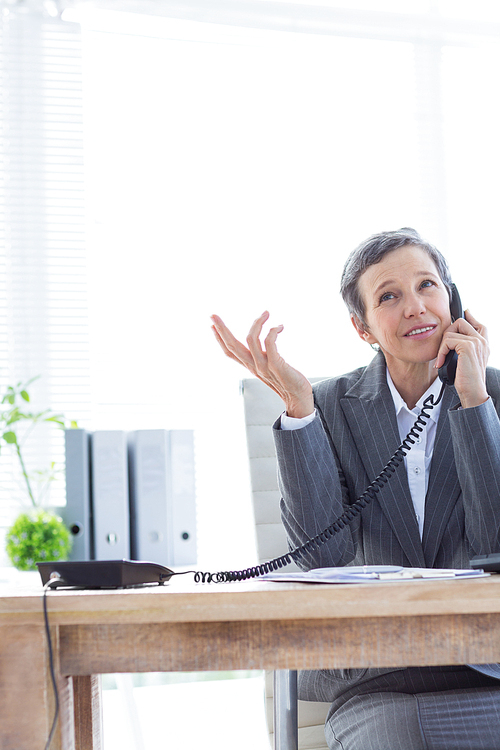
(386,296)
(427,283)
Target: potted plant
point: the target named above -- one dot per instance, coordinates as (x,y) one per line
(37,534)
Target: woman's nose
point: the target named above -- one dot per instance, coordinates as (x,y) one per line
(414,305)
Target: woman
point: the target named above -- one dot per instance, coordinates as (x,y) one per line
(441,507)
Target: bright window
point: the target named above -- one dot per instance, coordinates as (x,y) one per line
(231,169)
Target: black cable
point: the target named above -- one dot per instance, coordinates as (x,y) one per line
(343,520)
(54,579)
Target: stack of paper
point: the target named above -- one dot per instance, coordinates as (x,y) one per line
(367,573)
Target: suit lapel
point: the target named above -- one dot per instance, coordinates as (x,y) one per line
(369,410)
(444,488)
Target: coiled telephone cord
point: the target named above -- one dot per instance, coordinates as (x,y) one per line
(343,520)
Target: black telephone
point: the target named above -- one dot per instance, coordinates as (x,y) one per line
(447,371)
(447,376)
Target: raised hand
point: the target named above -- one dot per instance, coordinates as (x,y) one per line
(267,364)
(469,338)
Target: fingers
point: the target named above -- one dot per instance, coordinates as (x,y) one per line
(274,359)
(253,341)
(254,358)
(265,362)
(479,327)
(468,337)
(462,334)
(230,345)
(223,346)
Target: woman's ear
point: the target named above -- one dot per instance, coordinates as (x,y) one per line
(361,331)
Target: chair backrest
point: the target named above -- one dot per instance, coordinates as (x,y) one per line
(262,408)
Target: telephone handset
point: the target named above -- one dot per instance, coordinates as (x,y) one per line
(447,371)
(447,376)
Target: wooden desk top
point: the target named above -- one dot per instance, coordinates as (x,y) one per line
(184,626)
(181,600)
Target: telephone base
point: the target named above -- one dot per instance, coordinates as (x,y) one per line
(102,574)
(490,563)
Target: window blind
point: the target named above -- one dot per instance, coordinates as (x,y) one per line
(43,304)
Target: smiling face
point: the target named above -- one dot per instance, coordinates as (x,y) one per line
(407,308)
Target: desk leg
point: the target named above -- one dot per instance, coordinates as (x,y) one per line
(87,712)
(285,710)
(26,697)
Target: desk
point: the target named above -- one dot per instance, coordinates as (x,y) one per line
(250,625)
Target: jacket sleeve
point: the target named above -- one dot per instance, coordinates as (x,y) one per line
(476,441)
(314,494)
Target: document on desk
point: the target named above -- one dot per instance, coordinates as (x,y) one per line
(369,573)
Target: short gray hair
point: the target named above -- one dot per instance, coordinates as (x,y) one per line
(372,251)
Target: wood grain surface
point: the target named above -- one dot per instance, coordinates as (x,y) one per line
(250,625)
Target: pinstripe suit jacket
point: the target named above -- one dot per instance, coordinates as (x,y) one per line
(326,466)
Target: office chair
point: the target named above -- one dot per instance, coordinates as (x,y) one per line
(289,721)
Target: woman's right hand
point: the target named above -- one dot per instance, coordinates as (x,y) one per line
(267,364)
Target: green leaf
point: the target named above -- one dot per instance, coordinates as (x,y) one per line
(15,416)
(25,395)
(57,419)
(30,381)
(10,437)
(73,424)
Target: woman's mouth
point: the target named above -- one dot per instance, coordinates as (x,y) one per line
(420,331)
